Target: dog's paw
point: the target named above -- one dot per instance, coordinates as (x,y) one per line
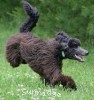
(68,82)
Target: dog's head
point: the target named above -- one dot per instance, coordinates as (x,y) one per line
(71,47)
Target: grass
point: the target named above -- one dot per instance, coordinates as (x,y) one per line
(23,84)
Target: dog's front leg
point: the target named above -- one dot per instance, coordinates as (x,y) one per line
(68,82)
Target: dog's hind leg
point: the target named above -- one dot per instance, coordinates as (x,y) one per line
(12,53)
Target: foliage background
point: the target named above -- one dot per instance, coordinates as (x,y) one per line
(76,17)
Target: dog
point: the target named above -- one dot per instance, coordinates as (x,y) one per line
(43,56)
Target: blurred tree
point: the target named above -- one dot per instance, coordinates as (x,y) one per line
(73,16)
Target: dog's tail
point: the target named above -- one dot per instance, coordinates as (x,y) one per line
(33,17)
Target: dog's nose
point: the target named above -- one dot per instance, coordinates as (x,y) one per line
(87,53)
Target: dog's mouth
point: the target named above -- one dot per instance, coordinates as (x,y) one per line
(79,58)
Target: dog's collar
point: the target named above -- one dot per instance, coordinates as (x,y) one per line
(63,55)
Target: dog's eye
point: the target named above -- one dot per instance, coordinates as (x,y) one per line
(75,46)
(73,43)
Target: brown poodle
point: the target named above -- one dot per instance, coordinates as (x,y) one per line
(43,56)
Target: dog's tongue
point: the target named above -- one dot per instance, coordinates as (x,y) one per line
(80,58)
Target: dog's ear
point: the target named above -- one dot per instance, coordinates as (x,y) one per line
(74,43)
(63,39)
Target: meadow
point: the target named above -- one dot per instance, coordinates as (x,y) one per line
(23,84)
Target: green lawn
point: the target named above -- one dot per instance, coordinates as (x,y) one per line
(23,84)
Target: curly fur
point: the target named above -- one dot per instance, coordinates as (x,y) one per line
(44,57)
(32,19)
